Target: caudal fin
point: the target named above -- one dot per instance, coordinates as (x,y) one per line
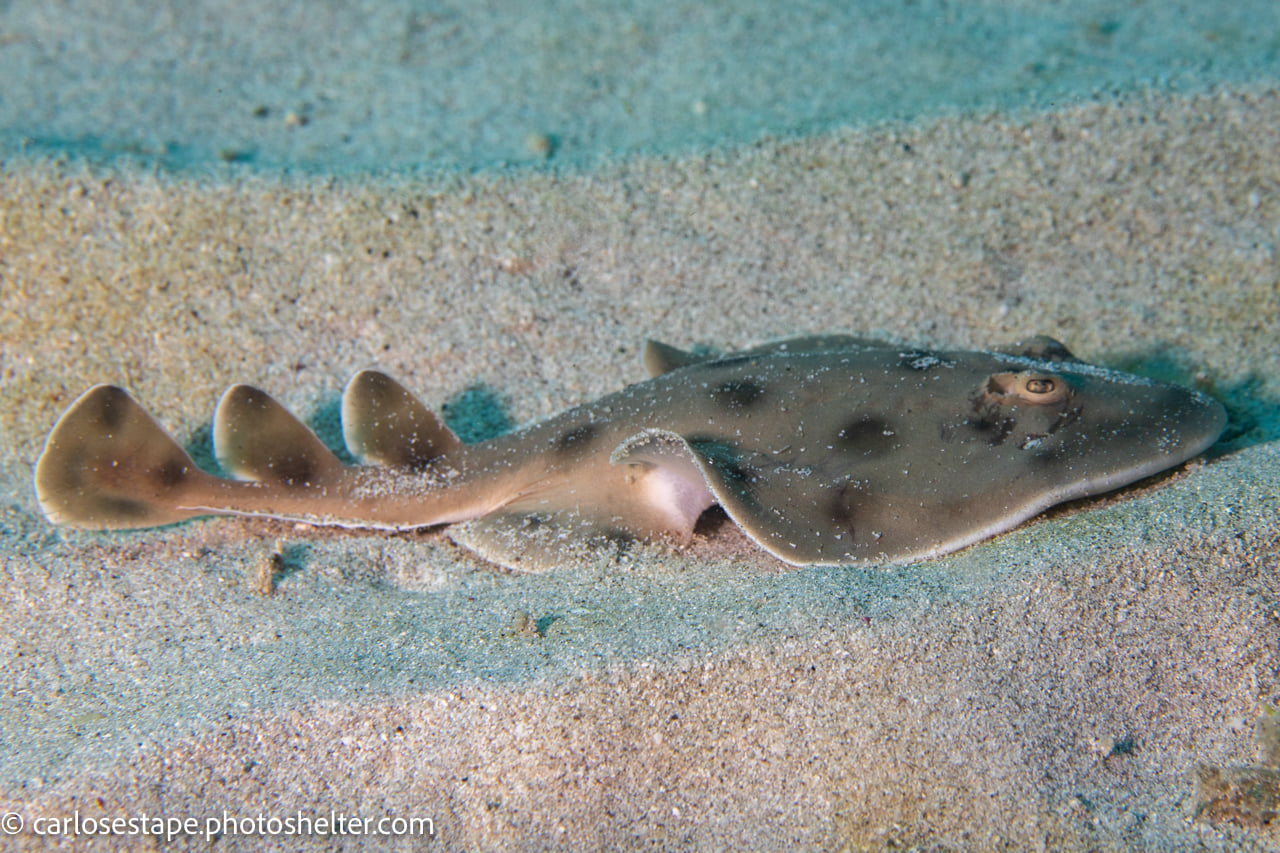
(108,464)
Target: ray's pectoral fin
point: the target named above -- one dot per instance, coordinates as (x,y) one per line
(542,540)
(109,465)
(730,476)
(384,424)
(651,489)
(797,513)
(668,479)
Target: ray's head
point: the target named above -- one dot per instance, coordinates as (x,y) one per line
(974,443)
(1063,429)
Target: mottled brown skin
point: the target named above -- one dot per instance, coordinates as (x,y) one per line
(825,450)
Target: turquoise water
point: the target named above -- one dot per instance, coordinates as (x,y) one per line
(337,87)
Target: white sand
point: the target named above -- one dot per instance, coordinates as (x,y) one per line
(1055,687)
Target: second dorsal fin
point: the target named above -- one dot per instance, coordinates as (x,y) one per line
(255,438)
(384,424)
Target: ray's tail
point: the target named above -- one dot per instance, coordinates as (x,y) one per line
(108,464)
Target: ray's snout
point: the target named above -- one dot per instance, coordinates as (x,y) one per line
(1202,418)
(1147,429)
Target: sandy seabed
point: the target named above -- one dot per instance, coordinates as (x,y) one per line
(1056,687)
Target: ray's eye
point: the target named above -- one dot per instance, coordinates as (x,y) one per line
(1040,386)
(1037,388)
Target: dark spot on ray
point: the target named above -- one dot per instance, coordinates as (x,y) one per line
(866,434)
(1001,431)
(293,470)
(420,465)
(576,439)
(1049,456)
(994,430)
(989,420)
(124,508)
(738,393)
(114,404)
(171,473)
(841,507)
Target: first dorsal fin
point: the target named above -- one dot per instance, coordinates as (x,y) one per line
(109,465)
(384,424)
(662,358)
(255,438)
